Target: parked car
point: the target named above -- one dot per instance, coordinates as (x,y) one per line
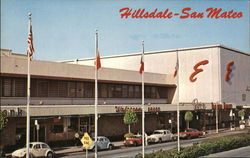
(134,140)
(191,133)
(37,149)
(102,144)
(159,136)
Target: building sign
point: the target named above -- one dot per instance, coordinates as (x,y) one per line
(120,109)
(220,106)
(154,109)
(197,105)
(229,70)
(13,112)
(197,70)
(124,109)
(86,140)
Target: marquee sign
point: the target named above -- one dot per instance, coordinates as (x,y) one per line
(120,109)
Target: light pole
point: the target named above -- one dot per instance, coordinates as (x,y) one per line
(217,118)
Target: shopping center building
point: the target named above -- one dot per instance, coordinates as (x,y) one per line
(62,93)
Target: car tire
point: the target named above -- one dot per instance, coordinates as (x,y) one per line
(135,143)
(160,140)
(31,156)
(50,155)
(111,147)
(189,137)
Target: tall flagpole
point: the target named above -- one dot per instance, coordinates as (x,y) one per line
(28,98)
(143,110)
(178,105)
(96,97)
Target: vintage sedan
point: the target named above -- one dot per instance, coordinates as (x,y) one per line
(134,140)
(191,133)
(37,149)
(159,136)
(102,144)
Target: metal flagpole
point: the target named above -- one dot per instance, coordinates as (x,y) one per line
(28,98)
(178,105)
(96,97)
(143,110)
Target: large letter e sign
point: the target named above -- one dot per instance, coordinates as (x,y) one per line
(197,70)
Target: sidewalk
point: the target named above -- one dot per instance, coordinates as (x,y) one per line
(73,149)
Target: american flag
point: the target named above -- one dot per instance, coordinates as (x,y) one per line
(30,49)
(176,66)
(142,59)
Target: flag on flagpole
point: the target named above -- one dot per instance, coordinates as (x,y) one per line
(176,66)
(30,49)
(98,60)
(142,63)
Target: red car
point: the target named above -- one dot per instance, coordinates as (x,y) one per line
(134,140)
(191,133)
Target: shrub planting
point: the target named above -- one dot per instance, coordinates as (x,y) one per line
(206,147)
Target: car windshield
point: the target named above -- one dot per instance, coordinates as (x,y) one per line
(157,132)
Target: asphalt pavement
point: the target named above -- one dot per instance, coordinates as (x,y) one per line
(123,152)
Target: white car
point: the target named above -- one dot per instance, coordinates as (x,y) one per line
(37,149)
(159,136)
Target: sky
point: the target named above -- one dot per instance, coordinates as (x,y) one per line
(65,29)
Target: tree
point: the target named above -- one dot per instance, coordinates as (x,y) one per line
(241,113)
(3,121)
(129,118)
(188,117)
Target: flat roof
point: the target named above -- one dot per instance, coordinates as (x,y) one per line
(161,51)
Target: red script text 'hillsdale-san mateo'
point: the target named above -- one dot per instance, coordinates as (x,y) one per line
(213,13)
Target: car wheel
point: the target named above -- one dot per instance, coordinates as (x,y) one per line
(160,141)
(31,156)
(110,147)
(50,155)
(189,137)
(135,143)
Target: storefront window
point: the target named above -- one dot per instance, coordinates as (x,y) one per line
(58,129)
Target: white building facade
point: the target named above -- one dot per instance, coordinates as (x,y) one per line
(62,93)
